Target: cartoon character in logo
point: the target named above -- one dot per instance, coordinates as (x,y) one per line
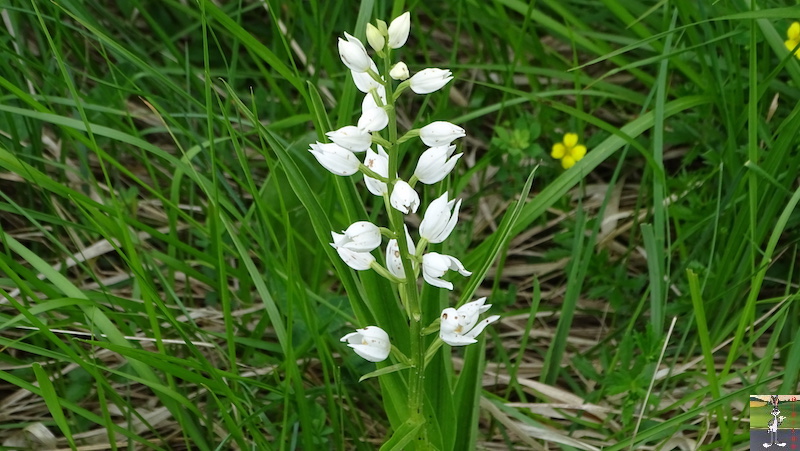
(773,424)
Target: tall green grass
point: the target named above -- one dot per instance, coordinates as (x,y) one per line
(155,184)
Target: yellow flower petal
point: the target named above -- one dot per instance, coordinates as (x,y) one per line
(790,44)
(567,162)
(578,152)
(570,139)
(558,151)
(793,33)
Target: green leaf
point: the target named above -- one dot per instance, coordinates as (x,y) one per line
(402,436)
(53,403)
(385,370)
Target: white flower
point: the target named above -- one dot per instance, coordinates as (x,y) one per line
(361,236)
(375,38)
(440,133)
(434,164)
(373,119)
(351,138)
(434,265)
(353,54)
(460,327)
(360,261)
(398,30)
(335,158)
(440,219)
(393,261)
(371,343)
(355,244)
(429,80)
(400,72)
(404,198)
(378,163)
(364,81)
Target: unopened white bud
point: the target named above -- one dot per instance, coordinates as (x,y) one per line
(375,38)
(398,30)
(399,72)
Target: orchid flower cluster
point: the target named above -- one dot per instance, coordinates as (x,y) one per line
(376,135)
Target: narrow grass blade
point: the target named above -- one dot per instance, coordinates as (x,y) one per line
(53,404)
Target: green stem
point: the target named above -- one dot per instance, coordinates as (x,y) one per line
(408,291)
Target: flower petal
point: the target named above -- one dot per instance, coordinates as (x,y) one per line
(373,120)
(456,265)
(369,101)
(457,340)
(365,83)
(430,80)
(578,152)
(435,265)
(393,261)
(398,30)
(559,150)
(435,281)
(436,217)
(570,139)
(481,325)
(793,33)
(404,198)
(433,165)
(353,54)
(360,261)
(361,236)
(371,353)
(378,163)
(440,218)
(440,133)
(352,138)
(335,158)
(469,313)
(412,248)
(372,343)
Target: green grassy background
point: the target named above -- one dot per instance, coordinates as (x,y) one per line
(155,184)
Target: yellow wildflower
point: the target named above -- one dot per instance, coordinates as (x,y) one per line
(794,38)
(569,151)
